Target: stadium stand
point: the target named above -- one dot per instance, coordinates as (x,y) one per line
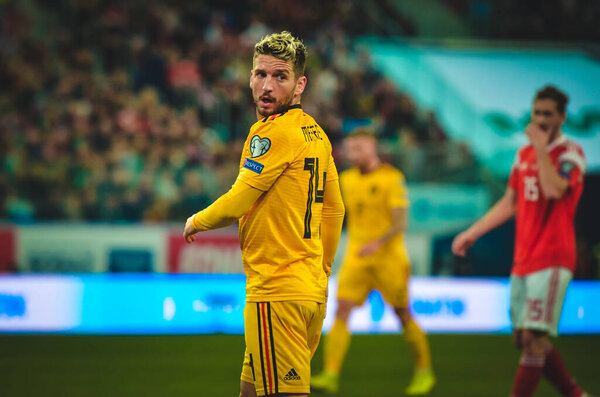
(121,113)
(135,112)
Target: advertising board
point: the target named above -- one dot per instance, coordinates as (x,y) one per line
(212,252)
(8,250)
(56,248)
(210,303)
(40,304)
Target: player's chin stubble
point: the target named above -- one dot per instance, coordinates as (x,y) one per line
(280,108)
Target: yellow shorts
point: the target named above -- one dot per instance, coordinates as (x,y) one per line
(281,338)
(387,271)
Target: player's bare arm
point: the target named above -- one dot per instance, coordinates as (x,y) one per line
(553,185)
(502,211)
(399,225)
(225,211)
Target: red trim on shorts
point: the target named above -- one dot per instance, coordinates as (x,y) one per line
(260,349)
(551,296)
(267,355)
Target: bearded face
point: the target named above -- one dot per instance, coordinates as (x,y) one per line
(274,85)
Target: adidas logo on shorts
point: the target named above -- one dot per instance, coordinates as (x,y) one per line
(292,375)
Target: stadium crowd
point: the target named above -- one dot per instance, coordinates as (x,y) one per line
(136,112)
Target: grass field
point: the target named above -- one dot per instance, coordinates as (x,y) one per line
(209,365)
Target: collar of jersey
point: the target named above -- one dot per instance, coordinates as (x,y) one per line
(273,116)
(556,142)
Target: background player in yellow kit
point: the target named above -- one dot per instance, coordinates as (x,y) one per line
(377,210)
(288,203)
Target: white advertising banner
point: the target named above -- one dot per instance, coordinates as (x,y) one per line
(209,303)
(40,304)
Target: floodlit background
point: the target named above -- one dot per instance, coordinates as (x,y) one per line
(118,120)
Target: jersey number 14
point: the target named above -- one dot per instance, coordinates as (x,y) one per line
(311,164)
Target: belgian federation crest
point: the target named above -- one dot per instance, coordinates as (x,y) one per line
(259,146)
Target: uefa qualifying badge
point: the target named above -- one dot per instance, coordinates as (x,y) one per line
(259,146)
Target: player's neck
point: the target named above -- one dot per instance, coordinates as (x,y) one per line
(555,137)
(295,101)
(370,166)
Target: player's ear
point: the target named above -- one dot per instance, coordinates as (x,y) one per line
(300,86)
(251,74)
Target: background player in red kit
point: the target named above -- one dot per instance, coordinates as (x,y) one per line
(545,184)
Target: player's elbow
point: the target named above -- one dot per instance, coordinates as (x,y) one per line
(237,212)
(336,211)
(556,189)
(554,193)
(508,205)
(341,210)
(233,211)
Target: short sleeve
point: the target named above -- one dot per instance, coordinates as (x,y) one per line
(398,196)
(571,165)
(266,154)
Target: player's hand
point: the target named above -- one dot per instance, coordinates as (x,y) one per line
(189,231)
(462,243)
(537,135)
(370,248)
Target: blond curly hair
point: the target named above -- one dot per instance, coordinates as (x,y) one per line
(283,46)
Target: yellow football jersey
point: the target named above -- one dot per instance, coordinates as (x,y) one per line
(369,200)
(288,156)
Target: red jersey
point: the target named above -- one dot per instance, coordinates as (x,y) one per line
(545,234)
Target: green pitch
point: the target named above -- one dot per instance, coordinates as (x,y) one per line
(209,365)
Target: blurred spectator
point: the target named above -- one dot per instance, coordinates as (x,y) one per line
(130,112)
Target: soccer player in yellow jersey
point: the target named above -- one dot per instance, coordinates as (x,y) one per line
(376,258)
(289,206)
